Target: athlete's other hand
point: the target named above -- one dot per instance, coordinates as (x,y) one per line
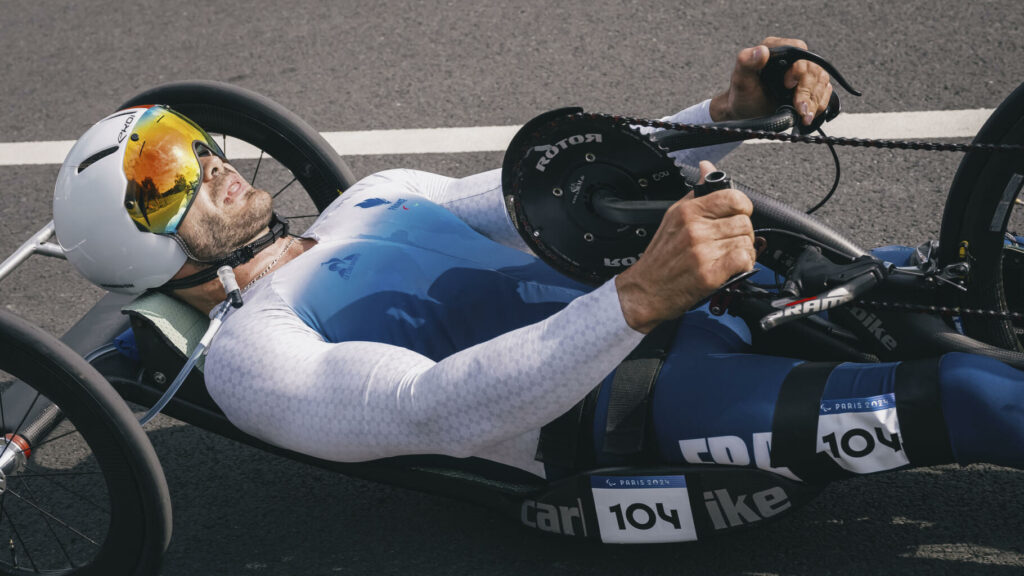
(746,97)
(700,244)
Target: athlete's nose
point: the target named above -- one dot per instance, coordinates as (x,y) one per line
(212,166)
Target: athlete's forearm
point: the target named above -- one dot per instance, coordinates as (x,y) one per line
(354,401)
(524,379)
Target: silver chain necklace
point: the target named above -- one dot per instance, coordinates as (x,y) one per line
(272,264)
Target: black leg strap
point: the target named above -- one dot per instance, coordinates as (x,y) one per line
(629,397)
(795,425)
(567,442)
(919,409)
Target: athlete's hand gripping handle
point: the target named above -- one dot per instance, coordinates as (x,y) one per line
(699,245)
(719,180)
(780,59)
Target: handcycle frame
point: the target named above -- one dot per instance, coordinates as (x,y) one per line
(547,506)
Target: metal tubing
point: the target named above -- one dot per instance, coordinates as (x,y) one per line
(37,244)
(42,425)
(50,249)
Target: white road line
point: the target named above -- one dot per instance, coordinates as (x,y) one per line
(892,125)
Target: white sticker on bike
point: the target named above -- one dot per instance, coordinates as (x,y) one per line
(862,435)
(633,509)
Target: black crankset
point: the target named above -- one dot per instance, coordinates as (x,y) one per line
(587,193)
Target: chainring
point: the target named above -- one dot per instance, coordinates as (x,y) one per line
(552,169)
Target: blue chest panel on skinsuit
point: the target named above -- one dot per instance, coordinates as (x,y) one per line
(405,271)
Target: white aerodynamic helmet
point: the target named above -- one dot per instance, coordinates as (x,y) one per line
(121,193)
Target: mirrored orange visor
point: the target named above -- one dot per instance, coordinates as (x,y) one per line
(162,165)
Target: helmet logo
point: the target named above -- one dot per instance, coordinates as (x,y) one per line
(124,130)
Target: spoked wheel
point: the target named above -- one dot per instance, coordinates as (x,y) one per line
(269,145)
(983,225)
(81,489)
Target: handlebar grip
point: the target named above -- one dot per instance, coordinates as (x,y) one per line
(716,180)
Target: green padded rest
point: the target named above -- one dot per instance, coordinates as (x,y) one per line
(166,332)
(179,325)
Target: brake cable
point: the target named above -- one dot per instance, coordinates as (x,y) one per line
(835,181)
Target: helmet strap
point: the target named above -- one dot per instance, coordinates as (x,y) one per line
(278,229)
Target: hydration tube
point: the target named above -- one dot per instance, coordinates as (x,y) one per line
(234,300)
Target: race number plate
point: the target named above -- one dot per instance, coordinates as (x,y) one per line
(862,435)
(634,509)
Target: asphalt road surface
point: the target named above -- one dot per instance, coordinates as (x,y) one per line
(390,65)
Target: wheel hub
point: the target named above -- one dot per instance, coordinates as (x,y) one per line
(13,457)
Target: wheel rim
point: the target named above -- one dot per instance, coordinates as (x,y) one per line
(55,509)
(1012,269)
(982,206)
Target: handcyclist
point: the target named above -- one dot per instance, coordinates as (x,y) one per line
(412,319)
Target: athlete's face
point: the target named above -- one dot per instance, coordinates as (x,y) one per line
(226,213)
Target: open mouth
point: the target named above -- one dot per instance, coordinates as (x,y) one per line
(234,188)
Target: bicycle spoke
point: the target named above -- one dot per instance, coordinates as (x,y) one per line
(14,556)
(49,526)
(10,541)
(303,216)
(285,187)
(55,438)
(49,478)
(3,414)
(252,181)
(46,513)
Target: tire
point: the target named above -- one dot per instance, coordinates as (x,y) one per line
(977,216)
(97,459)
(225,109)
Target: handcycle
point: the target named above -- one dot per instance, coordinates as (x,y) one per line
(105,505)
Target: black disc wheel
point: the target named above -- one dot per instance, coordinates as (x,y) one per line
(81,489)
(983,226)
(268,144)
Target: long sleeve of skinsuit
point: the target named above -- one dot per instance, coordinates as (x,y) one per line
(279,371)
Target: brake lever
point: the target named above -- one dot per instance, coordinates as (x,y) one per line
(780,59)
(794,309)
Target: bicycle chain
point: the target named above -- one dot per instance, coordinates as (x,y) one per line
(806,138)
(838,141)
